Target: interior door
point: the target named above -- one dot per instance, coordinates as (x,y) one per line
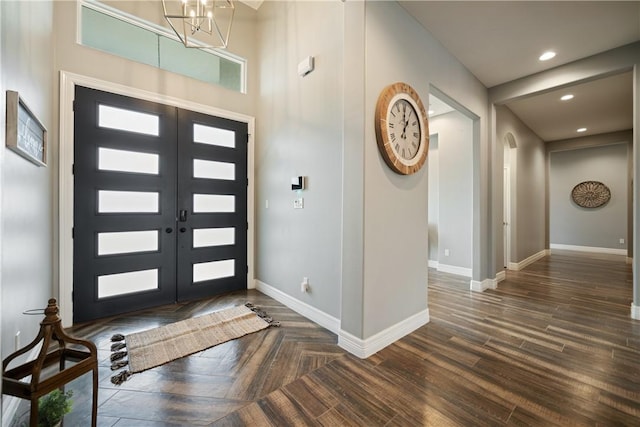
(159,204)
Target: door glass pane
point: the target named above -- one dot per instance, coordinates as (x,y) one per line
(127,242)
(131,121)
(213,203)
(214,170)
(203,237)
(127,201)
(126,283)
(128,161)
(214,136)
(213,270)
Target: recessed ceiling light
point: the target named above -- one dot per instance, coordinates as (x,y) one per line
(430,112)
(581,130)
(547,55)
(566,97)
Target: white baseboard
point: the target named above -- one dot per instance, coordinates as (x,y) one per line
(433,263)
(477,286)
(452,269)
(9,408)
(356,346)
(368,347)
(10,403)
(500,276)
(528,261)
(311,313)
(589,249)
(635,311)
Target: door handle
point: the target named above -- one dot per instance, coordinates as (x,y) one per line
(183,229)
(182,217)
(169,230)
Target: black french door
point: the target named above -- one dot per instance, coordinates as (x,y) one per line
(160,210)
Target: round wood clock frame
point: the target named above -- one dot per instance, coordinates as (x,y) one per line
(402,128)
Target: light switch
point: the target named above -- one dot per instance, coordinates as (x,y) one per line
(298,203)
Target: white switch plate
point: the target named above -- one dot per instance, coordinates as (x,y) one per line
(298,203)
(304,286)
(622,241)
(446,252)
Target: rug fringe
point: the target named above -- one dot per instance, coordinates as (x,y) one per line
(117,337)
(118,355)
(262,314)
(117,362)
(120,377)
(118,346)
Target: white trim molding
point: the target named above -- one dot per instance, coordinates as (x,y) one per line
(68,82)
(453,269)
(354,345)
(370,346)
(593,249)
(528,261)
(10,404)
(477,286)
(635,311)
(320,317)
(500,276)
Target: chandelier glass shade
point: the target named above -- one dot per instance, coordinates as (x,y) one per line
(200,23)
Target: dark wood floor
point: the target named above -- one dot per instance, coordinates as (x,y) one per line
(553,345)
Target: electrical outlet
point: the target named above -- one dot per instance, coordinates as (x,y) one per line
(446,252)
(304,286)
(622,241)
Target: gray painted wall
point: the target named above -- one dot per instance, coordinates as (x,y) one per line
(528,182)
(349,258)
(600,140)
(299,133)
(397,48)
(455,196)
(571,224)
(25,217)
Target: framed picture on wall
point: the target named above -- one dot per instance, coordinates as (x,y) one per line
(25,133)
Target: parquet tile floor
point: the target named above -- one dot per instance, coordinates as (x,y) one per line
(553,345)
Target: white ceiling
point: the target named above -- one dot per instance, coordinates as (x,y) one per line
(500,41)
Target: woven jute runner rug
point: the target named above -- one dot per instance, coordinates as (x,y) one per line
(155,347)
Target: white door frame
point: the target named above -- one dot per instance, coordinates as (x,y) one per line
(506,216)
(68,81)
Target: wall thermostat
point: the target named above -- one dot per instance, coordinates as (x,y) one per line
(297,183)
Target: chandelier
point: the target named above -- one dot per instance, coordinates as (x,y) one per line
(200,23)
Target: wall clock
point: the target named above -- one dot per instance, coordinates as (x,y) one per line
(402,128)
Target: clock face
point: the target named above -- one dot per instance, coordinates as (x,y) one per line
(402,128)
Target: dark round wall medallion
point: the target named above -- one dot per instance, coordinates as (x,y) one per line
(590,194)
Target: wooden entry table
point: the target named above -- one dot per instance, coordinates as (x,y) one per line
(51,331)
